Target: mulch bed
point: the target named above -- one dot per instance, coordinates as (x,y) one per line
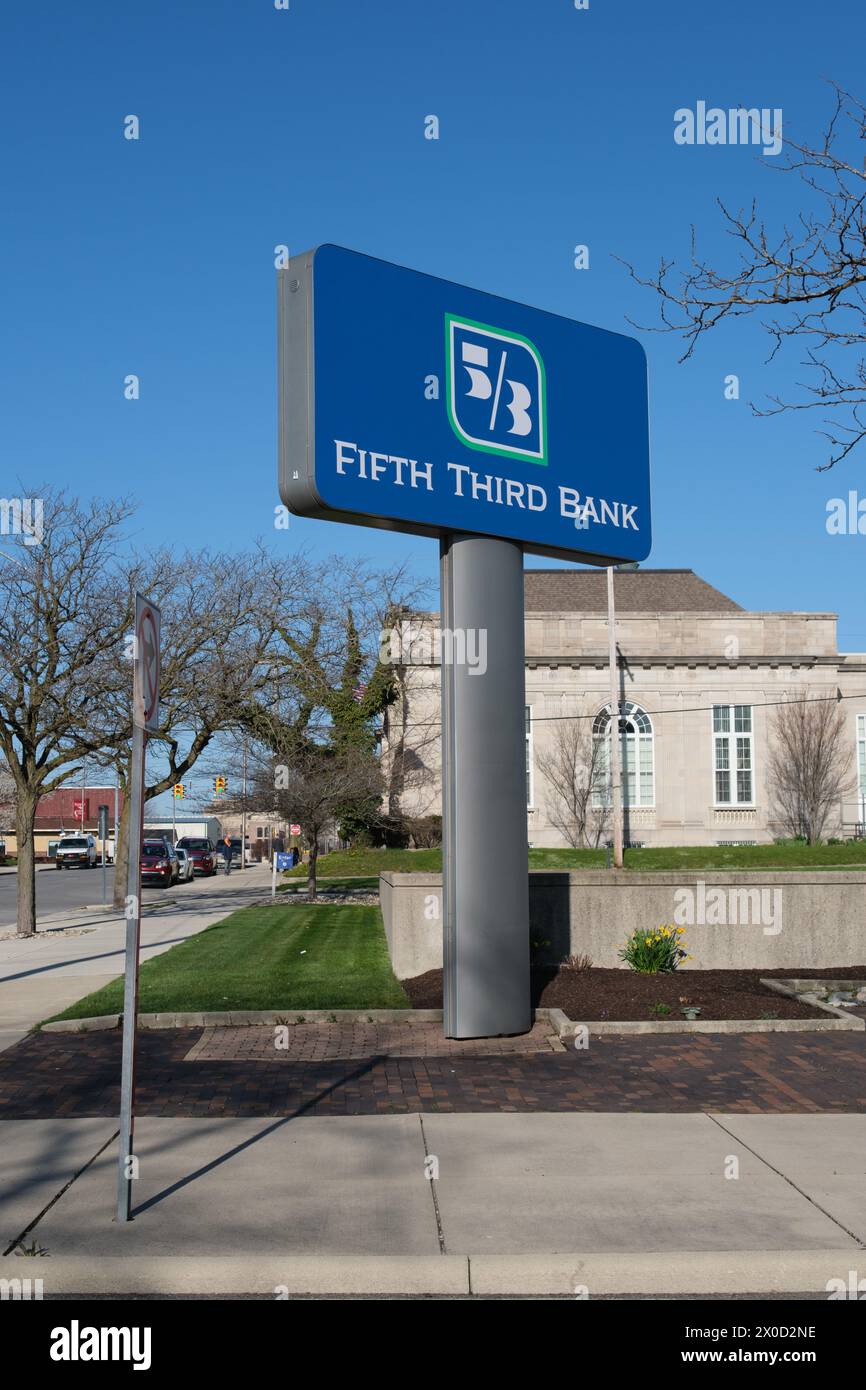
(625,995)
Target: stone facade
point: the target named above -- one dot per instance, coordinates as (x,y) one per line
(698,676)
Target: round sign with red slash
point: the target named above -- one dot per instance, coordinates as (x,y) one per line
(147,633)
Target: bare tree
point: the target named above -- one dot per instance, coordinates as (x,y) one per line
(64,607)
(574,767)
(809,766)
(410,747)
(312,787)
(217,626)
(7,796)
(806,277)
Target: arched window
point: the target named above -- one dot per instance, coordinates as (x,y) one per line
(636,756)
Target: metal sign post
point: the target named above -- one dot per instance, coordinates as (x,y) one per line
(416,404)
(615,769)
(103,835)
(485,884)
(145,717)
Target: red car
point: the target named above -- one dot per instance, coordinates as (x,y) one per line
(159,863)
(201,852)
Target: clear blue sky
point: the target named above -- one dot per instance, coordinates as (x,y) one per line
(261,127)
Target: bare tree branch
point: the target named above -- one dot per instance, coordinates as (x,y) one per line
(812,271)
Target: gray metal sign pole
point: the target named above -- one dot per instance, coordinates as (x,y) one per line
(145,717)
(130,986)
(485,885)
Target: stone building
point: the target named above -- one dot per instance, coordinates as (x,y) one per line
(700,680)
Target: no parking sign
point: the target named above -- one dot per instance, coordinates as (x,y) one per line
(147,664)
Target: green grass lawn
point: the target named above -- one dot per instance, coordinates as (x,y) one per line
(363,865)
(359,883)
(253,960)
(350,863)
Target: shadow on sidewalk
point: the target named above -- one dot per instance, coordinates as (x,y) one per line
(355,1075)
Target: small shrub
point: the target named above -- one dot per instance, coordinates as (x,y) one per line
(655,950)
(577,963)
(425,831)
(660,1010)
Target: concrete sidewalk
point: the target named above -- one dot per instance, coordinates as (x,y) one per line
(41,975)
(535,1203)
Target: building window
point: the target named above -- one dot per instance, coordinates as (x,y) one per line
(527,715)
(260,833)
(636,756)
(733,755)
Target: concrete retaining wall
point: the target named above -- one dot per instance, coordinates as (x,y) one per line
(766,920)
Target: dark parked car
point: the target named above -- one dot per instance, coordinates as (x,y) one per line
(201,852)
(159,863)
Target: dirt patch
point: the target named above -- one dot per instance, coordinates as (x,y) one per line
(625,996)
(46,933)
(323,898)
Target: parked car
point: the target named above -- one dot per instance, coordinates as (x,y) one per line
(202,853)
(76,851)
(184,864)
(159,863)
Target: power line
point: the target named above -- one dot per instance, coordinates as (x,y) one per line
(689,709)
(559,718)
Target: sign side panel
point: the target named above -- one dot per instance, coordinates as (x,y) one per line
(296,386)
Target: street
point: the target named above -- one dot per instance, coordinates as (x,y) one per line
(71,889)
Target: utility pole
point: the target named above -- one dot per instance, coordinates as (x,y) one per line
(83,789)
(615,759)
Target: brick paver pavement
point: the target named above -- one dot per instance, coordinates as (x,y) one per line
(320,1042)
(78,1074)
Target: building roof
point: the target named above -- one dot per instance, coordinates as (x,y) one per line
(636,591)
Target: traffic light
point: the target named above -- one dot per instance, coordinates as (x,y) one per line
(219,785)
(179,791)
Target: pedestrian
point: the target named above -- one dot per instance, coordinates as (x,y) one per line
(226,852)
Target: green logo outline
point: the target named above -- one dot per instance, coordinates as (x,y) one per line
(539,458)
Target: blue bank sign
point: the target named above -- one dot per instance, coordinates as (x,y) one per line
(420,405)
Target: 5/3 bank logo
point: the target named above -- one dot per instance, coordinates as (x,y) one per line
(496,390)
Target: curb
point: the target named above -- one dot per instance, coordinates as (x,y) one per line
(792,989)
(731,1025)
(247,1018)
(260,1274)
(564,1027)
(581,1275)
(663,1272)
